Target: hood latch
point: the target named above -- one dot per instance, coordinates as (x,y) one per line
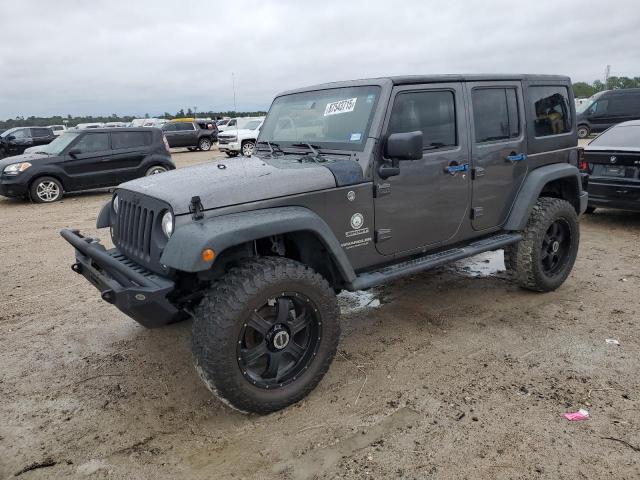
(196,208)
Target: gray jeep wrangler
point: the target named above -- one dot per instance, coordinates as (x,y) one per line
(353,184)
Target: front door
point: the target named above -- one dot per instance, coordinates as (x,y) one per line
(428,201)
(91,167)
(499,160)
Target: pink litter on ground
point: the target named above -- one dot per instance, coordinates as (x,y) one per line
(577,416)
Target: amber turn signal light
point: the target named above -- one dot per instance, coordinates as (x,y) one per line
(208,255)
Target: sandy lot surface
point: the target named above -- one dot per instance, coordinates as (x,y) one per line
(449,374)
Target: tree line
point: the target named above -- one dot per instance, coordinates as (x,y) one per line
(585,90)
(580,90)
(72,121)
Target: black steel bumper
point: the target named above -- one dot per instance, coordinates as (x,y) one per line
(137,292)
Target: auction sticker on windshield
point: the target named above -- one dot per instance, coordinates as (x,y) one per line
(341,106)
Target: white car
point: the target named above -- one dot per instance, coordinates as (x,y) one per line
(243,140)
(236,123)
(58,129)
(84,126)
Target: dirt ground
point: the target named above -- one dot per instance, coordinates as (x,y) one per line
(454,374)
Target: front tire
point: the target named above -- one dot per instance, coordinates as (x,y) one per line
(248,148)
(204,144)
(583,131)
(265,335)
(46,190)
(543,259)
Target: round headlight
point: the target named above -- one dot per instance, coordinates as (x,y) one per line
(167,224)
(115,203)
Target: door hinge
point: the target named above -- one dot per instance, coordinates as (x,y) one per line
(381,189)
(382,234)
(477,172)
(477,212)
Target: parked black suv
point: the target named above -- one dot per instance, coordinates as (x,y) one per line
(612,161)
(15,140)
(353,184)
(608,108)
(193,135)
(83,160)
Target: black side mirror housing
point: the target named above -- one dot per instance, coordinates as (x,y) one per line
(74,152)
(401,146)
(404,146)
(9,138)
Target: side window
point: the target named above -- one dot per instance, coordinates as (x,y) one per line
(93,142)
(169,127)
(601,107)
(22,133)
(130,139)
(182,126)
(232,123)
(552,115)
(619,104)
(495,114)
(432,112)
(40,132)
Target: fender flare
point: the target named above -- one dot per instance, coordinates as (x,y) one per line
(104,217)
(532,187)
(184,248)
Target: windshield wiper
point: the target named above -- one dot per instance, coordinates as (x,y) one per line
(315,154)
(271,146)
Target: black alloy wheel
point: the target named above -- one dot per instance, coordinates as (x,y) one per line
(556,245)
(279,340)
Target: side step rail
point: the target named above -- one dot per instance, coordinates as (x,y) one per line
(427,262)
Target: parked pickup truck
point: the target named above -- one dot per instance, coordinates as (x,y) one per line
(233,142)
(190,135)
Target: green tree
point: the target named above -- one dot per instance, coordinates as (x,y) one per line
(583,90)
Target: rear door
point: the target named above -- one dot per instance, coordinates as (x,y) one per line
(91,167)
(130,148)
(498,149)
(186,135)
(623,107)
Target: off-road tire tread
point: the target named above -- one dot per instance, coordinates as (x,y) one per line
(520,258)
(217,315)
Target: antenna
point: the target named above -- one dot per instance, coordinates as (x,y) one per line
(607,73)
(233,82)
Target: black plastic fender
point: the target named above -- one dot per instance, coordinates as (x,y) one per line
(104,217)
(533,185)
(184,249)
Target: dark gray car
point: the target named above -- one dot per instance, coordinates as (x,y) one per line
(353,184)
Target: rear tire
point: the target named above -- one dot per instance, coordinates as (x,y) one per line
(155,170)
(583,131)
(204,144)
(543,259)
(265,335)
(46,190)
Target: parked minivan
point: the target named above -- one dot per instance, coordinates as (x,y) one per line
(81,160)
(606,109)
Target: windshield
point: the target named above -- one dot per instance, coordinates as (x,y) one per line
(626,136)
(9,132)
(337,118)
(59,144)
(253,125)
(584,105)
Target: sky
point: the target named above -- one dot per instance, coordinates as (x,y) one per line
(138,56)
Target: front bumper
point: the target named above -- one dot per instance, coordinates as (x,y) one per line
(135,291)
(11,186)
(230,147)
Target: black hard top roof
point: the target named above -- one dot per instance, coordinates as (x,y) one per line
(414,79)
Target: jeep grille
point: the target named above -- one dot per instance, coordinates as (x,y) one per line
(135,226)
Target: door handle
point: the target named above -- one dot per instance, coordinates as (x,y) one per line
(514,157)
(453,169)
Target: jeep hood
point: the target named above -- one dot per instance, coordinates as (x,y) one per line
(234,181)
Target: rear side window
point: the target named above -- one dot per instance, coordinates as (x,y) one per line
(495,114)
(130,139)
(552,115)
(40,132)
(184,126)
(93,142)
(432,112)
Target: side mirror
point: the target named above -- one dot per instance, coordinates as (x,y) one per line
(74,152)
(9,138)
(401,146)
